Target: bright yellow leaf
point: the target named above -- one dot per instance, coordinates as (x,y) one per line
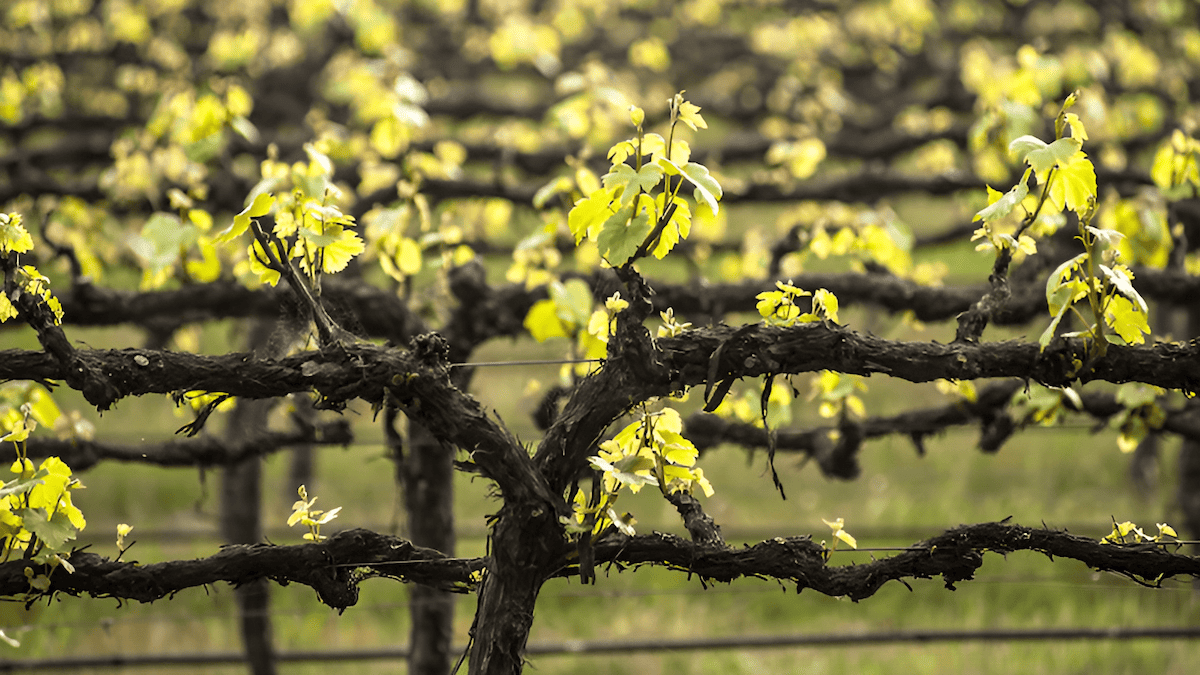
(1074,184)
(241,222)
(689,114)
(542,321)
(13,235)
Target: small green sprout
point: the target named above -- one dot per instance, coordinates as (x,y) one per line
(303,513)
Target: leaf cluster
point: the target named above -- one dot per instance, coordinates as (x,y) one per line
(649,451)
(304,514)
(630,215)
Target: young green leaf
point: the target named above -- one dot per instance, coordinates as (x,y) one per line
(408,256)
(825,305)
(559,185)
(707,189)
(676,229)
(589,214)
(53,530)
(1124,285)
(838,529)
(1076,125)
(1074,185)
(257,255)
(1175,163)
(689,114)
(1000,205)
(338,246)
(1055,284)
(635,476)
(13,235)
(622,234)
(676,449)
(261,206)
(543,321)
(633,182)
(1125,319)
(1061,296)
(572,301)
(7,310)
(1041,156)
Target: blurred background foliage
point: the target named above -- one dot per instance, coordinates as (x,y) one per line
(860,134)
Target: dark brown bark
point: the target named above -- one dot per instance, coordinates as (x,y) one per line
(241,517)
(364,371)
(527,547)
(333,568)
(426,474)
(1189,462)
(489,311)
(200,451)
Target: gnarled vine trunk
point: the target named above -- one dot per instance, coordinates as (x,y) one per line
(524,554)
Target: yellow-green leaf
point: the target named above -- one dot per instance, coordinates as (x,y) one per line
(689,114)
(621,151)
(408,256)
(837,527)
(1074,184)
(636,115)
(542,321)
(1076,125)
(622,234)
(589,214)
(827,303)
(1125,319)
(1001,204)
(846,537)
(13,235)
(1041,156)
(7,311)
(559,185)
(676,449)
(259,207)
(676,229)
(708,190)
(265,274)
(572,301)
(633,182)
(1121,281)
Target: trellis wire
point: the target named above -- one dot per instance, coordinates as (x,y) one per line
(536,362)
(600,647)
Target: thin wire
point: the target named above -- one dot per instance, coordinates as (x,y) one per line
(402,562)
(880,548)
(1173,542)
(657,646)
(1179,586)
(546,362)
